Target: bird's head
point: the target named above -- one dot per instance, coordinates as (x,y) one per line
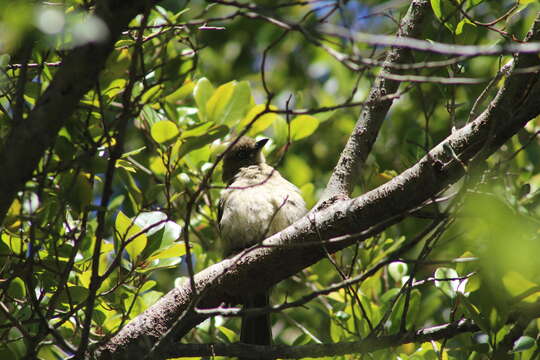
(244,153)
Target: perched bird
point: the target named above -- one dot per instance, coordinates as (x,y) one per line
(258,202)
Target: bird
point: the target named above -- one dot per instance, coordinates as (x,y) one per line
(257,203)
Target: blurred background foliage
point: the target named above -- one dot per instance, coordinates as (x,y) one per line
(197,82)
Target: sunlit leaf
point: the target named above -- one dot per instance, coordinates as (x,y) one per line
(517,284)
(17,288)
(229,103)
(152,221)
(302,126)
(262,122)
(447,284)
(126,230)
(174,250)
(523,343)
(397,270)
(184,91)
(164,131)
(202,91)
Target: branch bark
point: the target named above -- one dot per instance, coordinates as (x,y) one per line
(365,346)
(301,244)
(368,125)
(29,139)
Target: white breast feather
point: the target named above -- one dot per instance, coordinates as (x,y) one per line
(258,197)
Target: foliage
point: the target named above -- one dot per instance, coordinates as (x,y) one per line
(98,236)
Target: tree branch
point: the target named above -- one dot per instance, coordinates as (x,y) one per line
(367,128)
(283,254)
(30,137)
(321,350)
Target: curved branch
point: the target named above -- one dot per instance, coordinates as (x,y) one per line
(367,128)
(29,138)
(301,244)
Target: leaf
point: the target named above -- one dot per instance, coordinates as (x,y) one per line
(77,189)
(16,288)
(302,126)
(449,287)
(516,284)
(397,270)
(182,92)
(523,343)
(474,313)
(281,130)
(73,294)
(164,131)
(168,233)
(152,94)
(126,231)
(202,91)
(197,130)
(219,100)
(262,123)
(229,103)
(174,250)
(157,166)
(229,334)
(194,143)
(436,6)
(152,220)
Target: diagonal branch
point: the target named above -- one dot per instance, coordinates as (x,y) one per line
(368,125)
(299,245)
(30,137)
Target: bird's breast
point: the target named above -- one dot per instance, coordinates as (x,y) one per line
(255,207)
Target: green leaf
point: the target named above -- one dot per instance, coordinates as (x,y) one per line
(126,231)
(186,89)
(16,288)
(193,143)
(174,250)
(77,189)
(153,221)
(164,131)
(523,343)
(150,115)
(73,294)
(473,313)
(229,334)
(229,103)
(202,91)
(436,6)
(280,128)
(197,130)
(397,270)
(517,284)
(219,100)
(262,123)
(152,94)
(302,126)
(449,287)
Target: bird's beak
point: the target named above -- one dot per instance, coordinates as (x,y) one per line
(260,144)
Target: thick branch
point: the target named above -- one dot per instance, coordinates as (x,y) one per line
(29,138)
(291,250)
(367,128)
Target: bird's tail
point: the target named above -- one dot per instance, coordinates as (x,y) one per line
(256,329)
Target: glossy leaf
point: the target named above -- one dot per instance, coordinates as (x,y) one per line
(164,131)
(130,233)
(202,91)
(262,122)
(302,126)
